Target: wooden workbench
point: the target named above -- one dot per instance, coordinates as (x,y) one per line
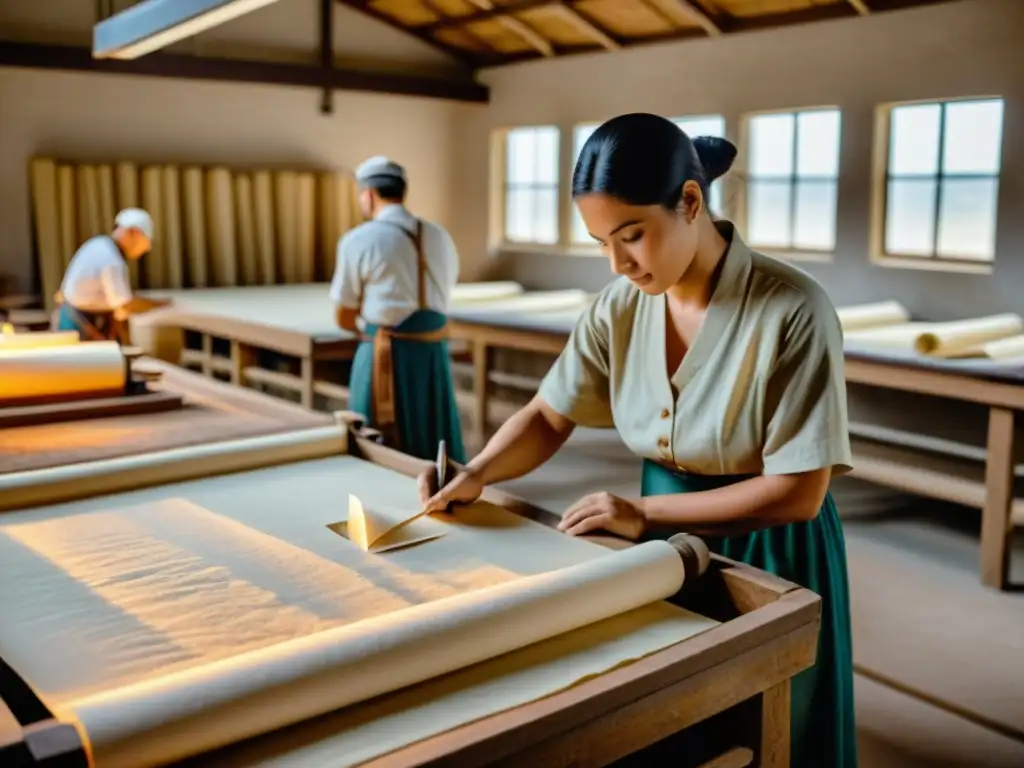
(212,411)
(986,485)
(722,695)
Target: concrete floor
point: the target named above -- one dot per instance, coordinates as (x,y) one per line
(949,652)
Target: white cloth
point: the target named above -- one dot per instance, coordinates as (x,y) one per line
(377,271)
(97,279)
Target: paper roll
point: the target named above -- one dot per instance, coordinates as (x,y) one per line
(539,301)
(1010,348)
(19,490)
(966,336)
(172,717)
(61,372)
(464,293)
(872,315)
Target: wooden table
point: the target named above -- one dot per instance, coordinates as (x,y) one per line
(724,693)
(212,411)
(987,485)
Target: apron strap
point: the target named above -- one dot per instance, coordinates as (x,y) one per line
(422,268)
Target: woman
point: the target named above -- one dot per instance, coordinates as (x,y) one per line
(723,370)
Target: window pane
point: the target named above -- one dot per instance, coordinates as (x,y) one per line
(546,157)
(519,214)
(815,226)
(817,150)
(520,151)
(914,140)
(974,137)
(769,214)
(910,217)
(708,125)
(715,199)
(967,219)
(545,215)
(771,145)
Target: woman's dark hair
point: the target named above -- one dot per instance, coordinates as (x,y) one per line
(644,159)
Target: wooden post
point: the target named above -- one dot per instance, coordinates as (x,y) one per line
(996,519)
(775,706)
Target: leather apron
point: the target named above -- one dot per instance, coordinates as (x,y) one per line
(383,376)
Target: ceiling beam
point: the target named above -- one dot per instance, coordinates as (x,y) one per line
(69,58)
(860,6)
(419,32)
(154,24)
(699,16)
(518,27)
(587,27)
(484,14)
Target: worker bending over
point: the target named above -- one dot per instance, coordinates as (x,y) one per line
(394,277)
(95,297)
(722,370)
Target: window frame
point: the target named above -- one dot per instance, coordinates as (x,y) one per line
(880,190)
(500,213)
(791,252)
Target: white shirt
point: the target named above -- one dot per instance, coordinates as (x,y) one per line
(97,279)
(377,266)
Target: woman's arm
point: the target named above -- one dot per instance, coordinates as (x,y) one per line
(749,505)
(521,444)
(746,506)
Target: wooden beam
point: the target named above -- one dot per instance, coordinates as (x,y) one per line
(419,32)
(489,13)
(587,27)
(327,53)
(69,58)
(860,6)
(514,25)
(701,17)
(435,9)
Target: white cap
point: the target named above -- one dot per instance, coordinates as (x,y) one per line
(135,218)
(379,166)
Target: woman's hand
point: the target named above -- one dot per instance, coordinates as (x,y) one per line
(607,512)
(463,489)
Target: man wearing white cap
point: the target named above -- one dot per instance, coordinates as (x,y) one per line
(96,295)
(396,273)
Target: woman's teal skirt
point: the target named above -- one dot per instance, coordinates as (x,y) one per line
(813,555)
(425,408)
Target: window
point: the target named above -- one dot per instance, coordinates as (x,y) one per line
(793,176)
(531,185)
(710,125)
(942,180)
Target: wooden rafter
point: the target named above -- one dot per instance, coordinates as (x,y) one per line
(518,27)
(587,26)
(681,19)
(435,9)
(700,16)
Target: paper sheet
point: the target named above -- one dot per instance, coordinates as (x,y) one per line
(178,618)
(378,531)
(61,371)
(307,308)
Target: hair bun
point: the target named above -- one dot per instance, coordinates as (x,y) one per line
(716,155)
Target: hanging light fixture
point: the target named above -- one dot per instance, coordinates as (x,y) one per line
(154,24)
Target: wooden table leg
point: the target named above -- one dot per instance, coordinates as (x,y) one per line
(481,379)
(775,710)
(241,358)
(996,517)
(306,393)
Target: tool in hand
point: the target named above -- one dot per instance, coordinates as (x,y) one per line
(442,469)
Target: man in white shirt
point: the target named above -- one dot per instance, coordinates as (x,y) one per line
(96,294)
(394,277)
